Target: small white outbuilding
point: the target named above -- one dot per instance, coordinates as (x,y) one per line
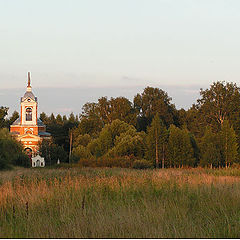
(38,161)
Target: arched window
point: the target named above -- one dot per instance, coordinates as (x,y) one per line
(28,114)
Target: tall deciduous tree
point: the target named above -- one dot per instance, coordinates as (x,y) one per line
(219,103)
(229,144)
(152,101)
(180,149)
(210,149)
(157,141)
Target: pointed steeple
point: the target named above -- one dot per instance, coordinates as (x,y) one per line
(29,79)
(29,88)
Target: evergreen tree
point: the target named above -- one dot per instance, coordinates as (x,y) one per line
(59,120)
(44,117)
(156,141)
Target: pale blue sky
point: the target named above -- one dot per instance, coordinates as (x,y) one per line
(116,47)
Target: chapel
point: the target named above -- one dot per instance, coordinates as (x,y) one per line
(28,128)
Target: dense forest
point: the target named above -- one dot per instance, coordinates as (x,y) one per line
(146,132)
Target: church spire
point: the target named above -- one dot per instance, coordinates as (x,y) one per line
(29,79)
(29,88)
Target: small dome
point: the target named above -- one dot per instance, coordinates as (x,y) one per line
(29,95)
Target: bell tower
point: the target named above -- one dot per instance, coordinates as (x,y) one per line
(29,106)
(28,129)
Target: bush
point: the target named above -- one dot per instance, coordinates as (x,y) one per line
(11,151)
(122,162)
(87,162)
(142,164)
(22,160)
(236,165)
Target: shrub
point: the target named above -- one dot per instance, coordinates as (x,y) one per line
(142,164)
(236,165)
(122,162)
(87,162)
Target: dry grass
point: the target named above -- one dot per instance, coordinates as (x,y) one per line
(119,203)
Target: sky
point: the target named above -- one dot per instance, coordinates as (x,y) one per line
(80,50)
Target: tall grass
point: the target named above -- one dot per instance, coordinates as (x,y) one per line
(117,203)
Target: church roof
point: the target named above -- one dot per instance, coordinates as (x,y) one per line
(18,122)
(28,95)
(39,122)
(44,134)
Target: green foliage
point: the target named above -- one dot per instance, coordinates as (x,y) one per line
(80,152)
(11,151)
(112,128)
(117,139)
(210,149)
(152,101)
(10,121)
(193,120)
(83,140)
(60,128)
(122,162)
(156,140)
(128,144)
(107,137)
(219,103)
(96,115)
(180,150)
(3,114)
(142,164)
(52,152)
(229,146)
(116,108)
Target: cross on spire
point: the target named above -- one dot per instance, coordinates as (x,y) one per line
(29,79)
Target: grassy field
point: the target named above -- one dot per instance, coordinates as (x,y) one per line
(119,203)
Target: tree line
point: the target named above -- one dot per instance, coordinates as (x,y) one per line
(148,131)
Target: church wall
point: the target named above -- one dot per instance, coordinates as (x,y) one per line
(25,129)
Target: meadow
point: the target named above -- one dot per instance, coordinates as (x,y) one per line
(119,203)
